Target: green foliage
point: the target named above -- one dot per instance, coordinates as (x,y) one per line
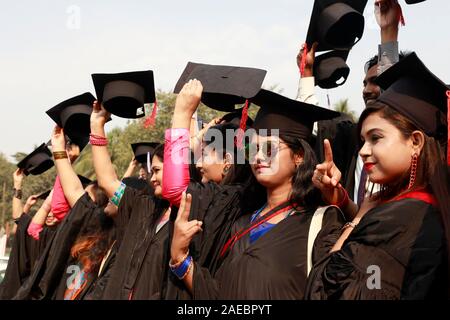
(343,107)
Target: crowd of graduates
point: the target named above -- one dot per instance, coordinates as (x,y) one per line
(298,203)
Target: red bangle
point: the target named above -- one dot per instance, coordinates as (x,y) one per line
(344,202)
(97,140)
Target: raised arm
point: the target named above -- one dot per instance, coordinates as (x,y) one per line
(38,221)
(388,13)
(106,176)
(131,168)
(17,207)
(71,184)
(176,149)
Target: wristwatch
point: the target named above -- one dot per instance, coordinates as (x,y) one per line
(17,193)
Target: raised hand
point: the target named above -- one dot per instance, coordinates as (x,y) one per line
(310,58)
(327,177)
(58,139)
(184,230)
(189,97)
(18,176)
(31,201)
(387,14)
(99,115)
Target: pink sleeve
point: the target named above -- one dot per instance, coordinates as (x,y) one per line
(34,230)
(60,206)
(176,165)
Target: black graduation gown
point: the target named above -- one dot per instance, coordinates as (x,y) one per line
(50,270)
(272,267)
(96,288)
(142,262)
(20,261)
(218,207)
(24,254)
(404,239)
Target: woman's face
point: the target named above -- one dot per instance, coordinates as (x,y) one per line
(272,161)
(157,176)
(211,165)
(142,174)
(50,220)
(386,153)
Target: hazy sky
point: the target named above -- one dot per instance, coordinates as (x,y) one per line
(50,48)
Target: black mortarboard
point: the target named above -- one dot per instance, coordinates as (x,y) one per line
(44,194)
(141,149)
(79,141)
(415,92)
(331,67)
(414,1)
(223,86)
(84,181)
(336,24)
(37,162)
(124,94)
(292,118)
(74,115)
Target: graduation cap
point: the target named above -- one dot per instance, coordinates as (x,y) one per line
(291,117)
(84,181)
(141,149)
(336,24)
(415,92)
(330,68)
(223,86)
(37,162)
(44,195)
(124,94)
(74,115)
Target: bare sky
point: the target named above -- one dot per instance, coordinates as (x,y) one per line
(50,48)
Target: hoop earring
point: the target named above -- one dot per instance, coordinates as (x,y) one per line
(412,175)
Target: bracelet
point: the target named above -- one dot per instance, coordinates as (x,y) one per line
(176,265)
(344,202)
(118,194)
(183,269)
(191,263)
(96,140)
(349,225)
(17,193)
(60,155)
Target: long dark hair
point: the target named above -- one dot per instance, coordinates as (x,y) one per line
(304,193)
(96,239)
(432,170)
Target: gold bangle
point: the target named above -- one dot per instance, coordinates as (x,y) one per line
(60,155)
(176,265)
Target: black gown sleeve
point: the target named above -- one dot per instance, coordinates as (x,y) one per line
(395,252)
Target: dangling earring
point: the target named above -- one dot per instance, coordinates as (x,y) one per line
(225,170)
(412,175)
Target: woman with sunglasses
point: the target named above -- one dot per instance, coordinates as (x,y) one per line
(219,197)
(266,255)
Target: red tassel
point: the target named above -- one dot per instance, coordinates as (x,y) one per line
(448,127)
(242,126)
(401,17)
(150,121)
(303,62)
